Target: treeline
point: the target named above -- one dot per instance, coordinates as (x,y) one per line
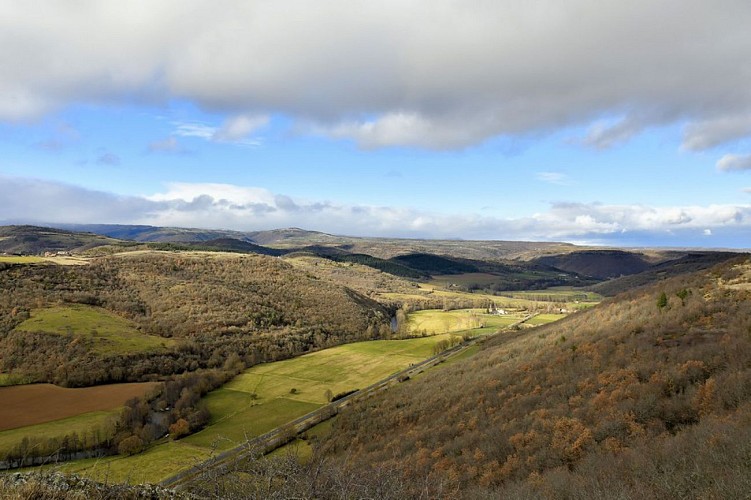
(174,408)
(257,307)
(387,266)
(581,398)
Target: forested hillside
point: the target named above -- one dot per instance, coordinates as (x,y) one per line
(205,307)
(646,396)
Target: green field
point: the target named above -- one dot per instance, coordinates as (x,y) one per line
(259,400)
(110,333)
(432,321)
(81,424)
(302,446)
(563,294)
(21,259)
(160,461)
(542,319)
(262,398)
(571,298)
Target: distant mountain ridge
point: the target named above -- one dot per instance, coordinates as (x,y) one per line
(517,265)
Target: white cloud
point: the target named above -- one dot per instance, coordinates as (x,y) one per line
(167,145)
(235,130)
(238,128)
(429,73)
(731,162)
(253,208)
(557,178)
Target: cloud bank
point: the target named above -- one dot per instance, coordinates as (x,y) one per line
(436,74)
(252,208)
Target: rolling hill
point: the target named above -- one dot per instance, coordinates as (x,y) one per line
(602,264)
(204,307)
(636,398)
(33,240)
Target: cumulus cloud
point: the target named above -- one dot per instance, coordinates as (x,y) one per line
(253,208)
(730,162)
(429,73)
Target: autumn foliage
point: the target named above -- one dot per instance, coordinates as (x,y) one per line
(589,402)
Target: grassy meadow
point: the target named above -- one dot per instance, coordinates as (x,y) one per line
(21,259)
(268,395)
(109,333)
(82,425)
(63,260)
(260,399)
(436,321)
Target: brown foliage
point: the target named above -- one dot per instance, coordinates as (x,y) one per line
(625,374)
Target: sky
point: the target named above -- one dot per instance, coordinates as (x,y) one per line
(592,122)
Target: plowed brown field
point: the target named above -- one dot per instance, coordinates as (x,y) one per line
(23,405)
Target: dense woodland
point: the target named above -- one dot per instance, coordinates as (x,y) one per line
(256,307)
(655,384)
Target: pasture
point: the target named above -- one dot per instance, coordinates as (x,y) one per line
(570,298)
(268,395)
(436,321)
(109,333)
(63,260)
(542,319)
(21,259)
(84,425)
(260,399)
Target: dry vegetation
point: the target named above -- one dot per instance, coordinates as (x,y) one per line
(33,404)
(659,391)
(215,304)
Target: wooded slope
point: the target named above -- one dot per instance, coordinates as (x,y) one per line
(213,304)
(644,396)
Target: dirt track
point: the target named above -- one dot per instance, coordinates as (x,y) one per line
(23,405)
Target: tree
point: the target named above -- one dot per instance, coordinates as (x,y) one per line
(662,300)
(179,429)
(130,445)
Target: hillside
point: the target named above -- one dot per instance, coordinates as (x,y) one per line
(601,264)
(677,265)
(295,238)
(33,240)
(191,310)
(636,398)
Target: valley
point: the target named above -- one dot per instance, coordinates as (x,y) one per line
(228,346)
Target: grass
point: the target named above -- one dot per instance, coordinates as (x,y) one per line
(261,398)
(572,298)
(151,466)
(110,333)
(236,424)
(543,319)
(63,260)
(81,424)
(439,321)
(302,447)
(21,259)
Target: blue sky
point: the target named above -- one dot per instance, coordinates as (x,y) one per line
(595,123)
